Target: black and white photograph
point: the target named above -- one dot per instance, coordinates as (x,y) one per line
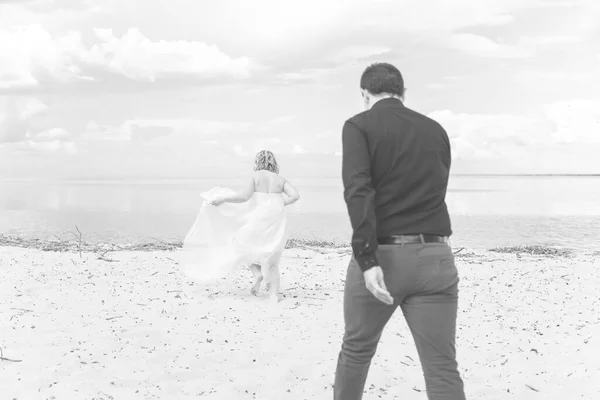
(301,200)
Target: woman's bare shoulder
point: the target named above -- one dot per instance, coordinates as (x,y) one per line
(282,180)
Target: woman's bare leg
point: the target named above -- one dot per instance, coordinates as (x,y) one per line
(274,283)
(258,277)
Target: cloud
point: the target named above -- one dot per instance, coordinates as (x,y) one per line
(573,122)
(198,129)
(50,141)
(436,85)
(484,47)
(397,31)
(45,147)
(246,147)
(446,82)
(19,118)
(30,57)
(525,47)
(364,32)
(490,135)
(67,147)
(240,151)
(24,129)
(72,5)
(355,53)
(95,132)
(283,119)
(510,42)
(549,40)
(52,134)
(137,57)
(527,76)
(274,22)
(29,107)
(240,139)
(445,16)
(176,132)
(296,42)
(308,62)
(266,143)
(149,133)
(320,143)
(283,24)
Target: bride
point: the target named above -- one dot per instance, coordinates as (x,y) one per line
(245,228)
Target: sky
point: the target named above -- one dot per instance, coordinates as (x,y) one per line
(185,89)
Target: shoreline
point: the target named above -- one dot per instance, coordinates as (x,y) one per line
(78,245)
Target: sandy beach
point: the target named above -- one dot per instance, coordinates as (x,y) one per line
(76,327)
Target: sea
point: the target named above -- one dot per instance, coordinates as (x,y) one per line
(487,211)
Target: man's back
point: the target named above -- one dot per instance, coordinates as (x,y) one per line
(409,168)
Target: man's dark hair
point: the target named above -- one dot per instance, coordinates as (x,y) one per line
(381,78)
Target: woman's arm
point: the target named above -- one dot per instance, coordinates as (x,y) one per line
(242,195)
(238,197)
(291,193)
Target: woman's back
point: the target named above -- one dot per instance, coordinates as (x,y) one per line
(268,182)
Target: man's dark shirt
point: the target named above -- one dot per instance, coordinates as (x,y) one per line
(395,169)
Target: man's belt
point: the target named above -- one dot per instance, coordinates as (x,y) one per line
(412,239)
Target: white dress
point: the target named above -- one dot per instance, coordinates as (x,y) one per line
(234,235)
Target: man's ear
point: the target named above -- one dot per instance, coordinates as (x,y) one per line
(366,95)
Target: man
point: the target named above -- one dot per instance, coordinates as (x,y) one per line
(395,169)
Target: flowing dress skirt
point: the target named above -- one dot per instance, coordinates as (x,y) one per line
(234,235)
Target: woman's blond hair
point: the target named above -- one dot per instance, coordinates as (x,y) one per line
(265,160)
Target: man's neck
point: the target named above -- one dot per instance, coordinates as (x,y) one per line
(376,99)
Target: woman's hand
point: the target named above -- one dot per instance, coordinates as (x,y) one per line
(217,202)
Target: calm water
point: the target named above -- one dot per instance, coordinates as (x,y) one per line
(487,211)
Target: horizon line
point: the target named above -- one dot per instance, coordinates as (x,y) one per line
(163,178)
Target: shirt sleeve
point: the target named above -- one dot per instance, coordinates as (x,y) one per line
(359,195)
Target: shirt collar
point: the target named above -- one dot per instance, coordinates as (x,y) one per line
(389,102)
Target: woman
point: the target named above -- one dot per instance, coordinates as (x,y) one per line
(245,228)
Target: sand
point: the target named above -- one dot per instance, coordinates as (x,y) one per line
(136,328)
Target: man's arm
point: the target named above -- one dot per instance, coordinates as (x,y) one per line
(359,195)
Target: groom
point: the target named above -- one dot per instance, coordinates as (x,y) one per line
(395,171)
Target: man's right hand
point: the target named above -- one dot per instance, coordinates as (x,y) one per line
(376,285)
